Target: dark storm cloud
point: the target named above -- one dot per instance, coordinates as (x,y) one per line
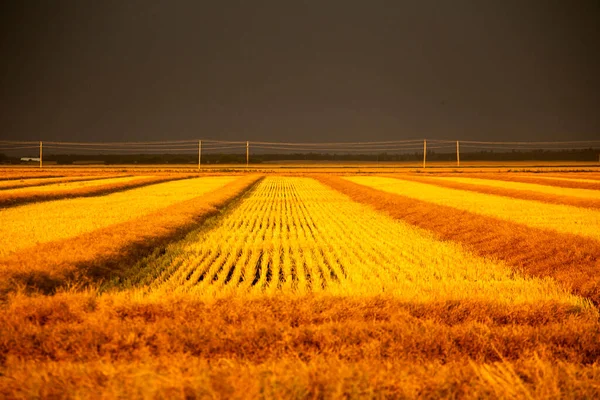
(300,71)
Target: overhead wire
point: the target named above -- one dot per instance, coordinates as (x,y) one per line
(18,148)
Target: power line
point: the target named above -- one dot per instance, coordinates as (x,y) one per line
(348,149)
(149,143)
(324,144)
(129,149)
(508,147)
(18,148)
(531,143)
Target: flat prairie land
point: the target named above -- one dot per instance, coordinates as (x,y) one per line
(304,284)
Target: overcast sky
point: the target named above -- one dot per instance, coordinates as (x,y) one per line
(324,70)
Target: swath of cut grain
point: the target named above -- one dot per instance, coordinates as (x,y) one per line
(256,329)
(78,337)
(183,376)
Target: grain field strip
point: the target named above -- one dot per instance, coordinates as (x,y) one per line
(591,177)
(6,175)
(529,187)
(106,247)
(572,260)
(526,191)
(295,235)
(540,180)
(31,224)
(560,218)
(71,185)
(39,182)
(10,199)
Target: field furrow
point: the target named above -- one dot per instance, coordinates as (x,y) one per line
(560,218)
(295,235)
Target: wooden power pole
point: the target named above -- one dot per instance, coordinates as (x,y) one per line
(247,153)
(199,153)
(457,154)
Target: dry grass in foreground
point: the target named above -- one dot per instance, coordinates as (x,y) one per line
(104,252)
(571,260)
(84,345)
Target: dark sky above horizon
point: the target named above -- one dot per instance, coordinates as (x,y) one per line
(300,71)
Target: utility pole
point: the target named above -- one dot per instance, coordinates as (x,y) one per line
(457,154)
(247,153)
(41,151)
(424,152)
(199,153)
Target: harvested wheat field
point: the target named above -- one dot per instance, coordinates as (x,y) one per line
(312,286)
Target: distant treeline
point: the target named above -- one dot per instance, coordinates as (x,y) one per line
(515,155)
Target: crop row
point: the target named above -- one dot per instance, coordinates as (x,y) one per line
(296,235)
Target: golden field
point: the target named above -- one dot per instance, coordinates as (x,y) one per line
(302,285)
(535,187)
(70,185)
(561,218)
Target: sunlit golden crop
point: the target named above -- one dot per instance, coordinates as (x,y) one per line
(64,186)
(300,287)
(28,225)
(295,235)
(34,181)
(561,218)
(553,190)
